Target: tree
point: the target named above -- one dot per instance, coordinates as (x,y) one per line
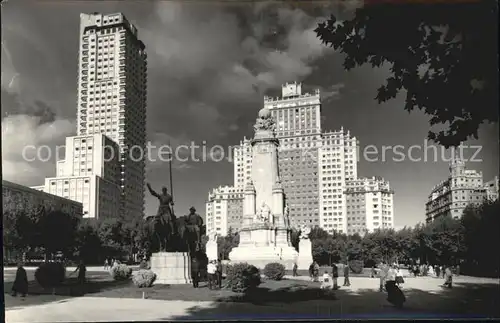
(110,232)
(295,238)
(57,231)
(318,233)
(444,55)
(227,243)
(19,219)
(88,245)
(480,237)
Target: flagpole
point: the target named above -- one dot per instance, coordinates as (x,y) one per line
(170,173)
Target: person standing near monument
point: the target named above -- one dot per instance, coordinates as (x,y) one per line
(219,273)
(212,271)
(195,272)
(294,270)
(383,275)
(20,282)
(347,283)
(335,276)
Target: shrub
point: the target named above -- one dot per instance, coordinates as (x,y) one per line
(356,266)
(50,274)
(144,278)
(242,277)
(274,271)
(121,272)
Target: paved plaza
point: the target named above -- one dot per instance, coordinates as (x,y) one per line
(471,297)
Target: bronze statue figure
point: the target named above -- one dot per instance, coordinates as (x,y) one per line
(164,221)
(194,227)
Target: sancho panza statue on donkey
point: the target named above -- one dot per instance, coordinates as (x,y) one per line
(172,234)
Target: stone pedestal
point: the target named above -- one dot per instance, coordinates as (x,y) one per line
(171,267)
(305,259)
(260,256)
(212,250)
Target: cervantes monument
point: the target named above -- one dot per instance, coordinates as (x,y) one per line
(265,232)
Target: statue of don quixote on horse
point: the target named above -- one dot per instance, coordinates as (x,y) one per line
(173,234)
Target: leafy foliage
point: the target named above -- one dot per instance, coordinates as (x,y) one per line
(356,266)
(227,243)
(50,274)
(444,56)
(144,278)
(242,277)
(274,271)
(120,272)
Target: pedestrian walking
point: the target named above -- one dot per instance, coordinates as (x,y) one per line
(394,294)
(20,281)
(383,275)
(373,272)
(212,275)
(316,272)
(448,279)
(438,271)
(219,274)
(106,263)
(335,276)
(195,272)
(311,271)
(294,270)
(347,283)
(399,276)
(82,270)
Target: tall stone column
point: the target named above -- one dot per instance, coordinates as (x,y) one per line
(248,214)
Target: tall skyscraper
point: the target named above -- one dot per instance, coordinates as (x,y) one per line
(104,166)
(112,76)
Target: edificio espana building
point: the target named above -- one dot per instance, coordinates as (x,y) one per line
(315,166)
(462,188)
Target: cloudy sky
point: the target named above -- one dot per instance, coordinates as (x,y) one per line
(209,66)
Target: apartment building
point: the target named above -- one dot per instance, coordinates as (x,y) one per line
(224,210)
(369,205)
(462,187)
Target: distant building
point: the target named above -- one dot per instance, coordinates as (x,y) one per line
(492,189)
(16,196)
(224,210)
(90,174)
(369,205)
(463,187)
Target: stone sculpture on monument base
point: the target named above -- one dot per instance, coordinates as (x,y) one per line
(265,231)
(305,259)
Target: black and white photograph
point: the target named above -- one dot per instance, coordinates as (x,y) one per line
(221,160)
